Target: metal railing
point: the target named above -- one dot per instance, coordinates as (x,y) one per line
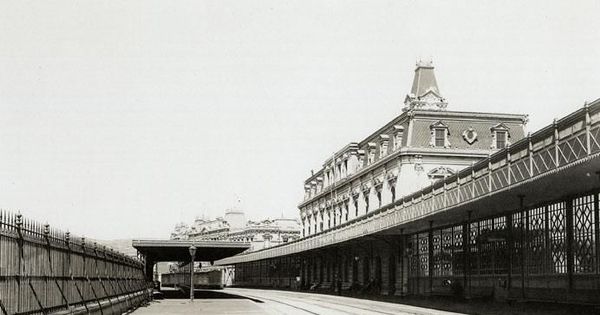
(565,142)
(44,270)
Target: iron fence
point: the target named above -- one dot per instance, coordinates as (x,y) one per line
(44,270)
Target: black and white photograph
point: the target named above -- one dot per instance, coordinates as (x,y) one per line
(274,157)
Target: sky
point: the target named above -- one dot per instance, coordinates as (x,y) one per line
(119,119)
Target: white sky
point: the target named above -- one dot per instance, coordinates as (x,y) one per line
(121,118)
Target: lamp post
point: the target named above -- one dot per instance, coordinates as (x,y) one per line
(192,250)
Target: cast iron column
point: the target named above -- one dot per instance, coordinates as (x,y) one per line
(192,250)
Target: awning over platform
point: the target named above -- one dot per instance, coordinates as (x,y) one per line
(178,250)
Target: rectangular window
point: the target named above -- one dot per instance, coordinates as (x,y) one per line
(440,137)
(500,139)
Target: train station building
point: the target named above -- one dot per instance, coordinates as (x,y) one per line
(236,228)
(424,143)
(444,202)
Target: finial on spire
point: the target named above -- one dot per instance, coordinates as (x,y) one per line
(424,63)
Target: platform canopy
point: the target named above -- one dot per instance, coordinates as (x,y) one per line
(178,250)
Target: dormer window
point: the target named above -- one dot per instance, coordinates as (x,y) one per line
(398,136)
(371,156)
(500,136)
(383,145)
(439,135)
(361,159)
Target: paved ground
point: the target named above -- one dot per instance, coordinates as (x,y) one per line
(251,301)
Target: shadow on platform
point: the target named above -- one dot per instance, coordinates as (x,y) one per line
(203,294)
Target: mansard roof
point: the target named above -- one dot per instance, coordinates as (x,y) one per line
(425,106)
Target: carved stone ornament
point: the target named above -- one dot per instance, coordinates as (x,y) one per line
(355,192)
(440,172)
(391,177)
(419,163)
(365,188)
(377,182)
(470,135)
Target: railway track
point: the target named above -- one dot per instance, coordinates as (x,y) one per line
(316,304)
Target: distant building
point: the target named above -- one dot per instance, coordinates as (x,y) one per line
(234,227)
(426,142)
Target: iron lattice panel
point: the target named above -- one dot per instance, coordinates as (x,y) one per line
(473,248)
(486,248)
(465,191)
(457,250)
(500,178)
(519,170)
(536,240)
(436,245)
(481,186)
(595,139)
(438,201)
(414,257)
(584,235)
(428,204)
(558,249)
(423,254)
(500,248)
(452,197)
(518,234)
(572,149)
(447,252)
(543,161)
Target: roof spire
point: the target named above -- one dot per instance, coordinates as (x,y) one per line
(424,93)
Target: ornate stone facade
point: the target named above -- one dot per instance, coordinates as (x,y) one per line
(424,143)
(234,227)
